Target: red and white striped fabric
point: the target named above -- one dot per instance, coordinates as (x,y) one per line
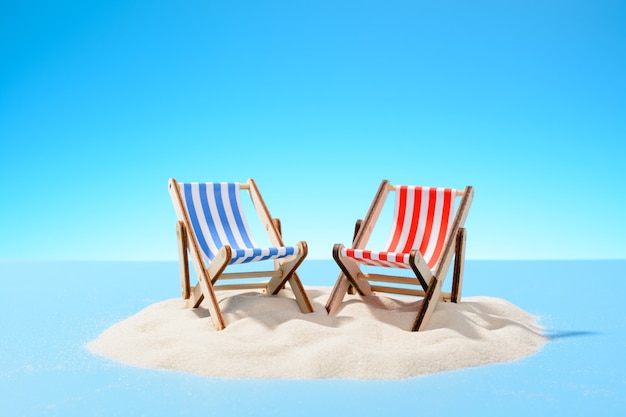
(422,219)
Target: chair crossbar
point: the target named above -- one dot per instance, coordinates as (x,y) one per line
(251,274)
(248,286)
(390,279)
(397,290)
(391,187)
(447,296)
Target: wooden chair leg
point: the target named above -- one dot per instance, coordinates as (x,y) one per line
(279,229)
(299,292)
(342,285)
(288,274)
(351,270)
(357,227)
(459,261)
(183,261)
(278,226)
(207,277)
(429,302)
(337,294)
(287,268)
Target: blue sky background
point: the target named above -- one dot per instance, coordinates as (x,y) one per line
(102,102)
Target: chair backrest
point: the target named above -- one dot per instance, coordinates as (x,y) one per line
(216,216)
(422,220)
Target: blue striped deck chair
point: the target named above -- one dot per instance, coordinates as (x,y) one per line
(213,235)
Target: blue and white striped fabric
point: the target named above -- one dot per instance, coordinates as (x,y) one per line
(217,219)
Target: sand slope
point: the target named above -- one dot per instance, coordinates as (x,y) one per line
(268,337)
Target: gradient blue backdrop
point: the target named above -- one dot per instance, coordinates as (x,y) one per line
(102,102)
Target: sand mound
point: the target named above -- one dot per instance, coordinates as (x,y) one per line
(268,337)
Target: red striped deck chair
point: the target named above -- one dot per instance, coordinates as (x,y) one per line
(213,232)
(426,234)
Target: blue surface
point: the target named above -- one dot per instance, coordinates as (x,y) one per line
(102,101)
(51,309)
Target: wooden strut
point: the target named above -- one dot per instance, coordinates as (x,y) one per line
(459,262)
(183,260)
(357,227)
(459,193)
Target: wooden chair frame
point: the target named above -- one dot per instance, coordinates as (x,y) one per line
(189,250)
(352,278)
